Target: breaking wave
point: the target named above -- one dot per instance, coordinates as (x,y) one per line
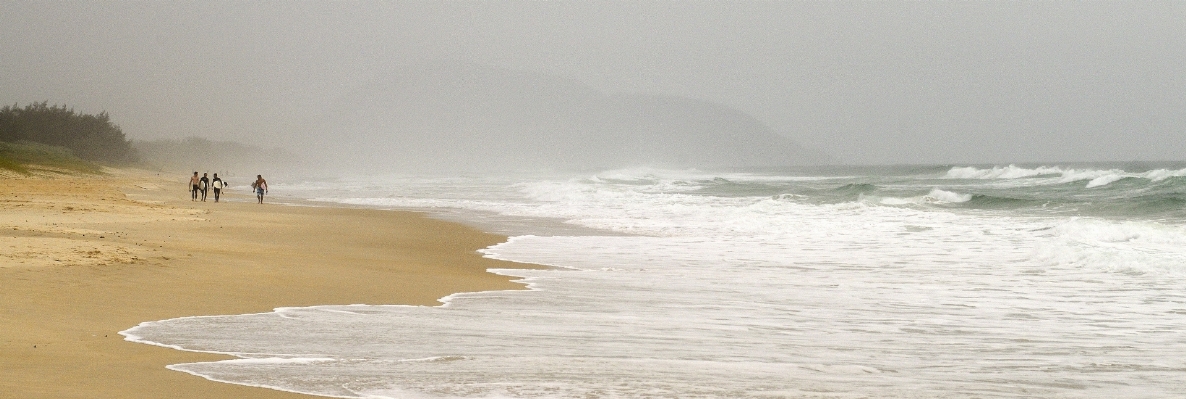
(1059,175)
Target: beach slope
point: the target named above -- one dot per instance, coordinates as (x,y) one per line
(83,257)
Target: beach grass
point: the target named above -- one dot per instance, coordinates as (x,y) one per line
(24,156)
(9,164)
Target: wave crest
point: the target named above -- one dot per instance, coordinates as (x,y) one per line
(998,172)
(1095,177)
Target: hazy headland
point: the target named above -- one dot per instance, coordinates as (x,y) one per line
(452,116)
(447,117)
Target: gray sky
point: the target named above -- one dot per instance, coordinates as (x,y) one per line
(867,82)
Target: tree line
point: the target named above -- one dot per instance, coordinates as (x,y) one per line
(90,137)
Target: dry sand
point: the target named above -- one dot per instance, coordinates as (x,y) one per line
(84,257)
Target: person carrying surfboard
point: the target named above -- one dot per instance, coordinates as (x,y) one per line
(204,182)
(217,185)
(261,187)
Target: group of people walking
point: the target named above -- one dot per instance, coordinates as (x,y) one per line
(200,185)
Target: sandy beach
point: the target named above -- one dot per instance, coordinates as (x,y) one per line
(83,257)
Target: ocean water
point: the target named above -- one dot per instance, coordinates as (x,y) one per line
(1055,281)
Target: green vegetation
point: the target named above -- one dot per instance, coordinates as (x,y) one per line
(19,157)
(57,136)
(12,165)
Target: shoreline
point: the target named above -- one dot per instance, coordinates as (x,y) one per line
(90,256)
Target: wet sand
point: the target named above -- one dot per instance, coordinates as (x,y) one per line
(84,257)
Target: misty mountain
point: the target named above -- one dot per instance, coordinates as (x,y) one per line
(474,118)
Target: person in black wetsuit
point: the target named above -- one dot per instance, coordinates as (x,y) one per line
(205,184)
(217,184)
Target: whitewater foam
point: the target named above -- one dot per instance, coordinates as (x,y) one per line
(737,295)
(1001,172)
(1059,175)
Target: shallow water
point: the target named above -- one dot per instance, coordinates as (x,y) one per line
(836,283)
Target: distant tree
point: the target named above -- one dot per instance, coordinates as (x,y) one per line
(90,137)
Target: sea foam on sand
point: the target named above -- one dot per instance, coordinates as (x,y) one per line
(735,295)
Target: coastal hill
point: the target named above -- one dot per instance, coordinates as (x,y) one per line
(455,116)
(55,138)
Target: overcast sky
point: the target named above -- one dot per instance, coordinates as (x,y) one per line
(866,82)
